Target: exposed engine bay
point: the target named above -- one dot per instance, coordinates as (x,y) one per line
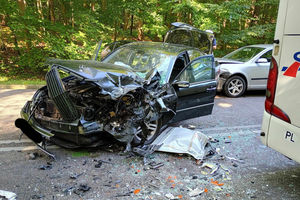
(124,106)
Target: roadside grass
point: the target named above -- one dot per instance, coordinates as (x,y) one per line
(5,80)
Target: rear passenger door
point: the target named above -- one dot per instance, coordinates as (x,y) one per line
(197,99)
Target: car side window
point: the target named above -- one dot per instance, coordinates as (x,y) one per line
(198,70)
(178,67)
(194,54)
(267,55)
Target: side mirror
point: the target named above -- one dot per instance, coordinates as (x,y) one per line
(262,60)
(182,84)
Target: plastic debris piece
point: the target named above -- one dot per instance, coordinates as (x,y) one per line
(196,192)
(46,167)
(170,196)
(82,189)
(99,164)
(231,158)
(180,196)
(75,176)
(33,156)
(182,140)
(136,191)
(224,168)
(205,190)
(208,165)
(218,188)
(191,126)
(227,141)
(199,162)
(214,169)
(7,195)
(156,166)
(216,182)
(37,196)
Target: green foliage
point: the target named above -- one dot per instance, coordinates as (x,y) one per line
(34,30)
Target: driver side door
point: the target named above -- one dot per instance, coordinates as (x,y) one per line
(196,98)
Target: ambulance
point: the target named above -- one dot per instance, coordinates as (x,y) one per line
(281,119)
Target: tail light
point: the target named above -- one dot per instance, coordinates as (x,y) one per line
(270,94)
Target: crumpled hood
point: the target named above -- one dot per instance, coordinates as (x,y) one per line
(114,80)
(90,69)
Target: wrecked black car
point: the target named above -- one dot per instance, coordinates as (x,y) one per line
(131,95)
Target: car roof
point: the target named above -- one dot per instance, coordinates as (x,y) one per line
(172,49)
(266,46)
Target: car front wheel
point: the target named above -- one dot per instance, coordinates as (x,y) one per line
(154,131)
(235,86)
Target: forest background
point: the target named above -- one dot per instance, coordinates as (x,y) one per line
(34,30)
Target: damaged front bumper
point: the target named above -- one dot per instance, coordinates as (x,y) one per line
(222,80)
(68,135)
(82,109)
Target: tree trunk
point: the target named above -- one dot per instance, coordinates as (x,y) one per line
(103,4)
(131,25)
(140,30)
(22,6)
(115,31)
(93,6)
(39,8)
(72,15)
(51,11)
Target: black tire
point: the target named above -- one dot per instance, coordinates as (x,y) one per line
(154,134)
(235,86)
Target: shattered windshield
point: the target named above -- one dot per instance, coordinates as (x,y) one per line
(244,54)
(142,60)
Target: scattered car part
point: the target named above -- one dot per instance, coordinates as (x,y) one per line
(7,195)
(182,140)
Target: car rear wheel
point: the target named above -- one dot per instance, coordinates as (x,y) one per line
(154,129)
(235,86)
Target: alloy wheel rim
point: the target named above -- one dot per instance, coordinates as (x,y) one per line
(235,87)
(152,126)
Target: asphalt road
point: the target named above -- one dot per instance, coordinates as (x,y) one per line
(247,169)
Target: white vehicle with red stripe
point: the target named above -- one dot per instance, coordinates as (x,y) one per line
(281,120)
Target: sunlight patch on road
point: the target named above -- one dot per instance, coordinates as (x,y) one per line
(225,105)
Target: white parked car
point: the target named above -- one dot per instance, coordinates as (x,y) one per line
(244,69)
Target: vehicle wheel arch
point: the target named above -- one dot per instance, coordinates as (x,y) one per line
(242,76)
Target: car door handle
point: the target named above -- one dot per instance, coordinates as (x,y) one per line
(211,89)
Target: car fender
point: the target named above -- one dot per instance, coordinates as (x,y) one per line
(227,72)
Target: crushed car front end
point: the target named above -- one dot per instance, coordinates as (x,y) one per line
(96,99)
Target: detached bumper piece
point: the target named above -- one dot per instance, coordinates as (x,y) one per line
(32,134)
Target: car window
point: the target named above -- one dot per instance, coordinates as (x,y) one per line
(201,41)
(179,65)
(193,54)
(267,55)
(198,71)
(179,36)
